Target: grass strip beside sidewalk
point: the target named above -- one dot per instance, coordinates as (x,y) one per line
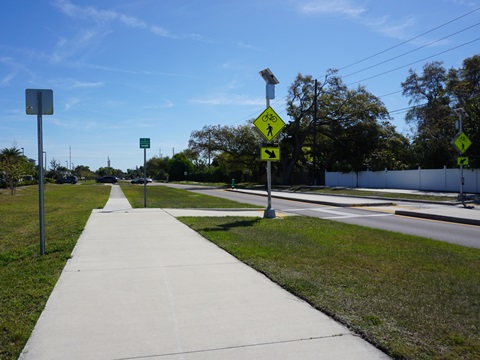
(412,297)
(26,278)
(171,198)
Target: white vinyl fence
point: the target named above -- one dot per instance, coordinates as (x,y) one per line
(420,179)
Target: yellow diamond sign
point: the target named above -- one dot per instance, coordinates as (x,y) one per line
(269,124)
(462,142)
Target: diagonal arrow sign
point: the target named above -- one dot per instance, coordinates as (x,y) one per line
(271,154)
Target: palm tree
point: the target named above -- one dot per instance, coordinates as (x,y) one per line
(12,165)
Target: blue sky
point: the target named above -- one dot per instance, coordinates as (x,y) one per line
(121,70)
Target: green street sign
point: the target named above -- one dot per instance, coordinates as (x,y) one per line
(144,143)
(462,161)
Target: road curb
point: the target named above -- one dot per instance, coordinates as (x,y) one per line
(316,201)
(446,218)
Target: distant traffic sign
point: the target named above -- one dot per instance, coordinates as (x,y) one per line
(144,143)
(462,142)
(462,161)
(270,154)
(269,124)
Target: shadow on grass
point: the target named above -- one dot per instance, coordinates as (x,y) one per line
(228,226)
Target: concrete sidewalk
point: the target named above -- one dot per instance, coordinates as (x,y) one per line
(141,285)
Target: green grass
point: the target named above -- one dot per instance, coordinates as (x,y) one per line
(26,278)
(167,197)
(412,297)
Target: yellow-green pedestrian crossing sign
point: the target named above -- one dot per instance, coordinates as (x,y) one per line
(269,124)
(462,142)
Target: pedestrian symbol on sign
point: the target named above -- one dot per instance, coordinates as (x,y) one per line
(269,124)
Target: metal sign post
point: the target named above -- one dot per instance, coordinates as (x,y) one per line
(462,143)
(144,178)
(41,188)
(270,81)
(145,144)
(40,102)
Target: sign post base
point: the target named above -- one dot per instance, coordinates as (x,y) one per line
(269,213)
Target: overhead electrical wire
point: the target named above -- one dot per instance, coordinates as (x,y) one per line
(409,52)
(396,57)
(409,40)
(415,62)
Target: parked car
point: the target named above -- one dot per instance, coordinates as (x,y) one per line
(107,179)
(67,180)
(141,181)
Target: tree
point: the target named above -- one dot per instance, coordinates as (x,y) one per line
(83,172)
(235,150)
(13,165)
(102,171)
(463,85)
(347,125)
(178,166)
(435,94)
(431,116)
(393,151)
(157,168)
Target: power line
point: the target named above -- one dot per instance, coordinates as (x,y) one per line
(392,93)
(415,62)
(409,52)
(388,60)
(409,40)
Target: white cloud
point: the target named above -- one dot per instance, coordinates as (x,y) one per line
(6,79)
(225,99)
(83,84)
(132,22)
(248,46)
(71,103)
(158,30)
(387,25)
(89,13)
(106,16)
(397,30)
(165,103)
(337,7)
(15,66)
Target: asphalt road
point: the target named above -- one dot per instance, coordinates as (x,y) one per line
(374,217)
